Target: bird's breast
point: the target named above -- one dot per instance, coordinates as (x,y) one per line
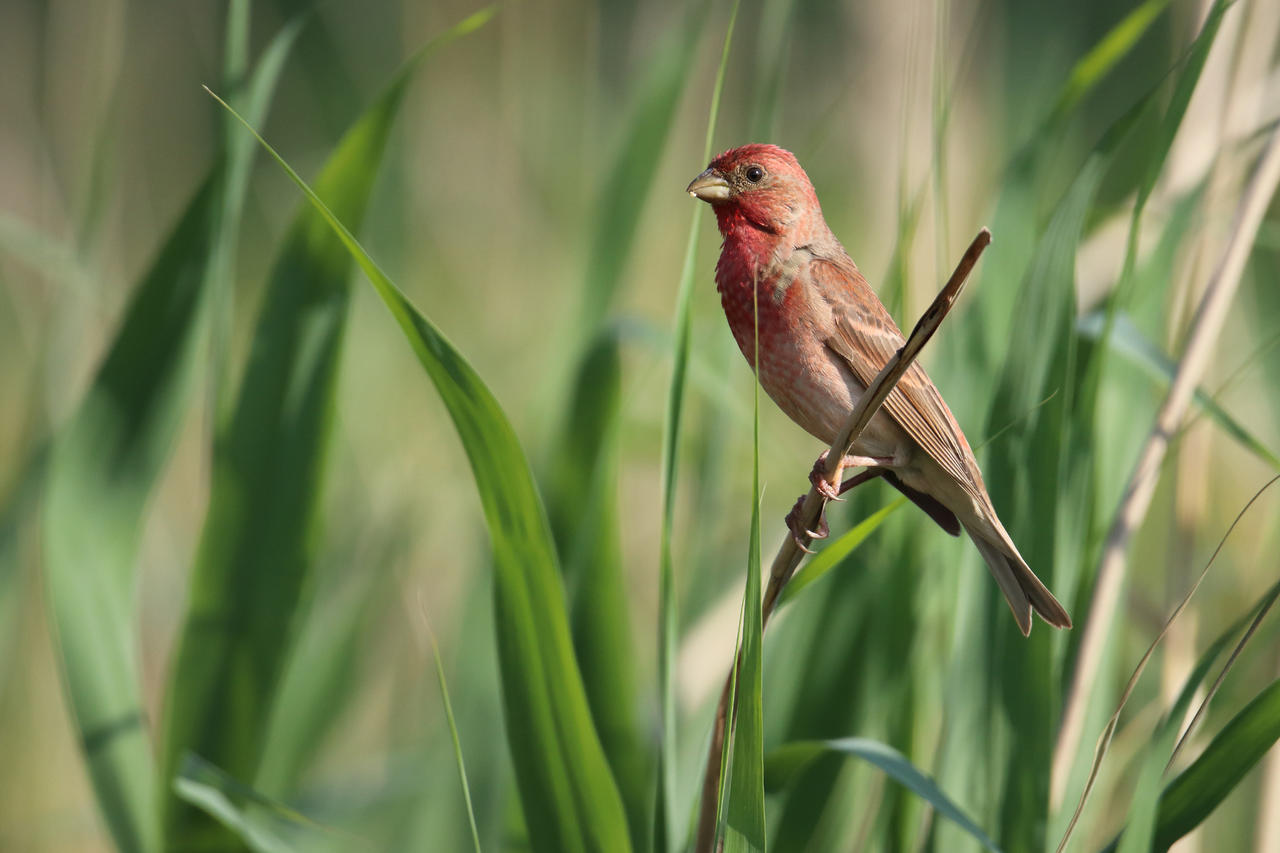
(796,368)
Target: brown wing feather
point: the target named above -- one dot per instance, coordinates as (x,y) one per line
(866,338)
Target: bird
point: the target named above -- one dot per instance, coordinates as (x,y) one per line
(823,337)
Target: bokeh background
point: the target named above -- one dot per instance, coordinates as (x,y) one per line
(530,197)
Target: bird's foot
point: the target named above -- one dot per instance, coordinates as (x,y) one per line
(831,489)
(802,535)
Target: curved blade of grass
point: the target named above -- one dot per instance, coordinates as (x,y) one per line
(777,20)
(744,816)
(583,510)
(1142,808)
(1189,687)
(18,526)
(665,829)
(833,555)
(1146,792)
(1091,68)
(1153,165)
(240,152)
(453,735)
(315,686)
(1198,790)
(34,247)
(588,540)
(569,798)
(632,173)
(1037,489)
(257,547)
(260,822)
(103,465)
(1128,341)
(786,763)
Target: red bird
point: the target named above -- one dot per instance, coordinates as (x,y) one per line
(824,335)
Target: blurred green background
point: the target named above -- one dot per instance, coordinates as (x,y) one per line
(529,201)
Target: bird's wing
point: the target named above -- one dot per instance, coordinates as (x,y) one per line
(866,337)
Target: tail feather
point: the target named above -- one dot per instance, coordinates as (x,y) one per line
(1021,588)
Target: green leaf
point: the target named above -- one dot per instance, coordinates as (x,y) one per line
(1128,341)
(583,509)
(569,798)
(784,765)
(626,185)
(1043,502)
(744,821)
(665,828)
(1156,154)
(457,745)
(257,548)
(1198,790)
(315,687)
(103,465)
(1095,65)
(258,821)
(41,251)
(18,527)
(833,555)
(1142,809)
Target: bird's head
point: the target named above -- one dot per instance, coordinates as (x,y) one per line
(761,185)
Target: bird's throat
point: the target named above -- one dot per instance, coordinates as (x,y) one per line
(751,240)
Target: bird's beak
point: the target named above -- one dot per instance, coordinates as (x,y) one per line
(710,186)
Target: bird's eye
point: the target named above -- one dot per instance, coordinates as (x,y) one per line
(755,174)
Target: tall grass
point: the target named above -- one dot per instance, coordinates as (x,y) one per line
(370,453)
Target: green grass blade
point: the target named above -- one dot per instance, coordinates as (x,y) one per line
(1161,821)
(1095,65)
(833,555)
(1157,152)
(258,821)
(257,548)
(1140,826)
(1128,341)
(315,686)
(629,180)
(773,50)
(588,541)
(744,819)
(256,95)
(103,465)
(1017,214)
(1198,790)
(457,745)
(18,529)
(583,510)
(569,797)
(785,764)
(665,828)
(1035,493)
(39,250)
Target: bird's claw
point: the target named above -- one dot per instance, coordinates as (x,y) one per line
(801,534)
(829,491)
(817,476)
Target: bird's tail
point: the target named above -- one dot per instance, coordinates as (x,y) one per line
(1021,588)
